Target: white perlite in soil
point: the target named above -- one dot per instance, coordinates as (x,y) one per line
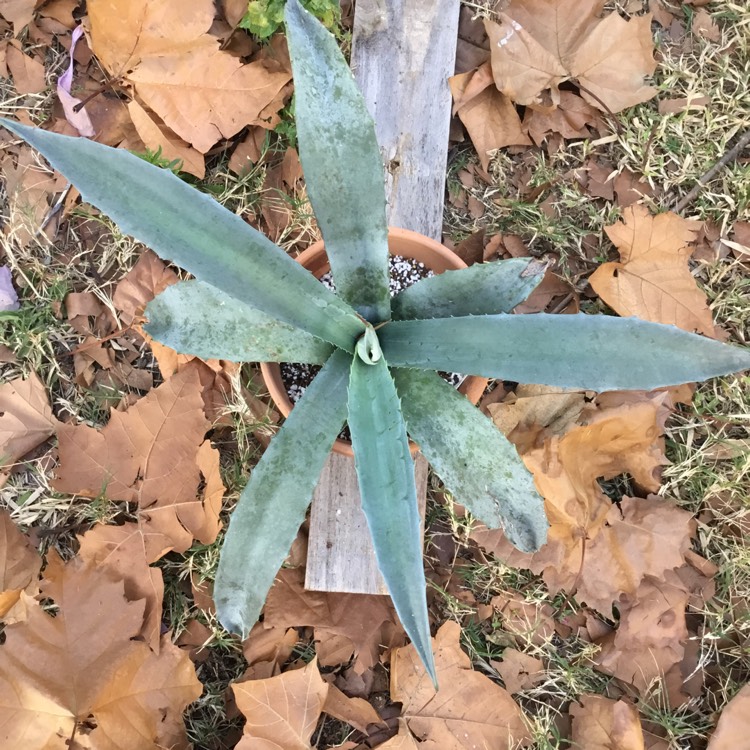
(404,272)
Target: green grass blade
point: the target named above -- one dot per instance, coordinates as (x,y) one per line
(385,471)
(191,229)
(273,504)
(342,164)
(481,289)
(196,318)
(595,352)
(475,460)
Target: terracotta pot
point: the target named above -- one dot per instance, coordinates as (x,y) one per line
(400,242)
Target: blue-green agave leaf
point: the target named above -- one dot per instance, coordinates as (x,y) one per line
(481,289)
(594,352)
(190,228)
(342,164)
(196,318)
(385,471)
(476,461)
(273,504)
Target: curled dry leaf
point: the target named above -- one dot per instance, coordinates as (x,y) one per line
(566,472)
(57,673)
(19,564)
(25,418)
(519,670)
(281,711)
(640,538)
(603,724)
(652,279)
(733,728)
(354,711)
(488,116)
(201,92)
(148,455)
(541,43)
(650,639)
(345,624)
(469,711)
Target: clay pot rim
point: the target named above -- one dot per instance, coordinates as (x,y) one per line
(473,386)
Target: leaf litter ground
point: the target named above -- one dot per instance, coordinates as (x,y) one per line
(629,629)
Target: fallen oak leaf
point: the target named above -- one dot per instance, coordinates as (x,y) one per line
(519,670)
(542,43)
(469,711)
(652,280)
(28,73)
(281,711)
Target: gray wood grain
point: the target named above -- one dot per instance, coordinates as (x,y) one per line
(403,53)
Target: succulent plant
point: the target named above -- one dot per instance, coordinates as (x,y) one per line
(251,302)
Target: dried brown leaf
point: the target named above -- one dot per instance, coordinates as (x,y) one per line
(206,94)
(366,621)
(733,728)
(155,136)
(541,43)
(281,711)
(489,117)
(519,670)
(19,564)
(603,724)
(469,711)
(26,418)
(354,711)
(652,280)
(28,72)
(56,672)
(147,455)
(127,551)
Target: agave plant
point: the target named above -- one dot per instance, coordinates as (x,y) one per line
(252,302)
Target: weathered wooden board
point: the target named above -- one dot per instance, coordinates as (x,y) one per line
(403,53)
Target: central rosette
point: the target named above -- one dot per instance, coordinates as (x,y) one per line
(368,347)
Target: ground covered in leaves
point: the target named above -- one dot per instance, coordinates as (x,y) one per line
(608,144)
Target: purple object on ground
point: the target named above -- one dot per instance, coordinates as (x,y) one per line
(8,296)
(79,120)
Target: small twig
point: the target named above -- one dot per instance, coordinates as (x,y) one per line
(91,344)
(618,127)
(728,157)
(54,209)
